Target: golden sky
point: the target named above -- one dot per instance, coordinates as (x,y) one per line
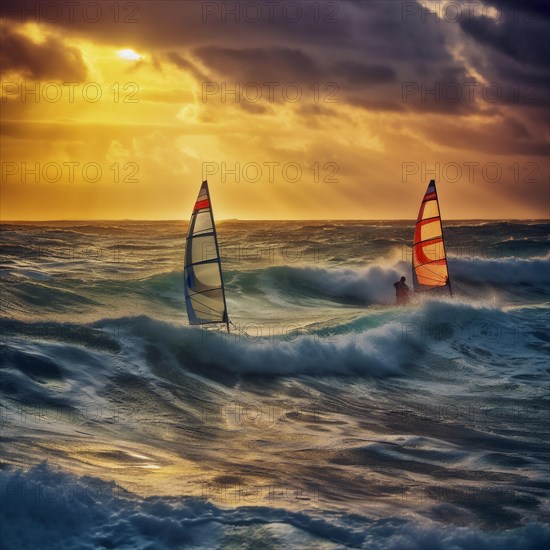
(115,110)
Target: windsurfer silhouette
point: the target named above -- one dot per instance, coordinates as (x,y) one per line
(401,292)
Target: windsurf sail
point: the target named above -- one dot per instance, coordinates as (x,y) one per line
(429,260)
(204,290)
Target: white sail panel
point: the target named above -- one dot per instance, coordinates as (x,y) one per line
(204,291)
(204,248)
(203,222)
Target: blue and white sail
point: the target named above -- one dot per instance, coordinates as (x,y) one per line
(204,290)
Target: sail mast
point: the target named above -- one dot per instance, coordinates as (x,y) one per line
(217,254)
(443,240)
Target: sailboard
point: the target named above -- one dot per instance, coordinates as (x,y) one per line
(204,288)
(429,259)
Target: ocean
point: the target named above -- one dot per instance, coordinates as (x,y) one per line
(327,419)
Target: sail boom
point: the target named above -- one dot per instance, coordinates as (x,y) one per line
(425,220)
(205,233)
(203,262)
(191,294)
(434,239)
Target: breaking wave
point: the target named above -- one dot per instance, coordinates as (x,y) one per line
(47,508)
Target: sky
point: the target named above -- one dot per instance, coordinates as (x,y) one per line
(291,110)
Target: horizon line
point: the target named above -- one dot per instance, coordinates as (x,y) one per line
(266,220)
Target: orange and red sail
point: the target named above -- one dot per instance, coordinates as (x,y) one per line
(429,260)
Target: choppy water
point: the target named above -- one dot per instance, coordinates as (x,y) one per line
(330,419)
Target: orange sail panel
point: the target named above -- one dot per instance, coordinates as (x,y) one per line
(429,259)
(204,290)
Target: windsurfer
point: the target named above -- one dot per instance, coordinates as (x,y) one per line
(401,292)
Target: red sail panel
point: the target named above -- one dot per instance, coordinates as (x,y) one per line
(429,260)
(202,204)
(428,251)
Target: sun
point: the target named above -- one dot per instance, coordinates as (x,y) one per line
(129,54)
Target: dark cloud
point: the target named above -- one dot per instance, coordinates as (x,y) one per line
(523,39)
(536,7)
(366,75)
(517,129)
(39,61)
(260,64)
(372,104)
(367,47)
(185,64)
(170,24)
(371,30)
(502,137)
(448,90)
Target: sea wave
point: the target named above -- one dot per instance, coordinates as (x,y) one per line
(49,508)
(371,352)
(374,283)
(507,271)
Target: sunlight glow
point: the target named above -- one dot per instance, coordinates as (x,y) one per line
(129,54)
